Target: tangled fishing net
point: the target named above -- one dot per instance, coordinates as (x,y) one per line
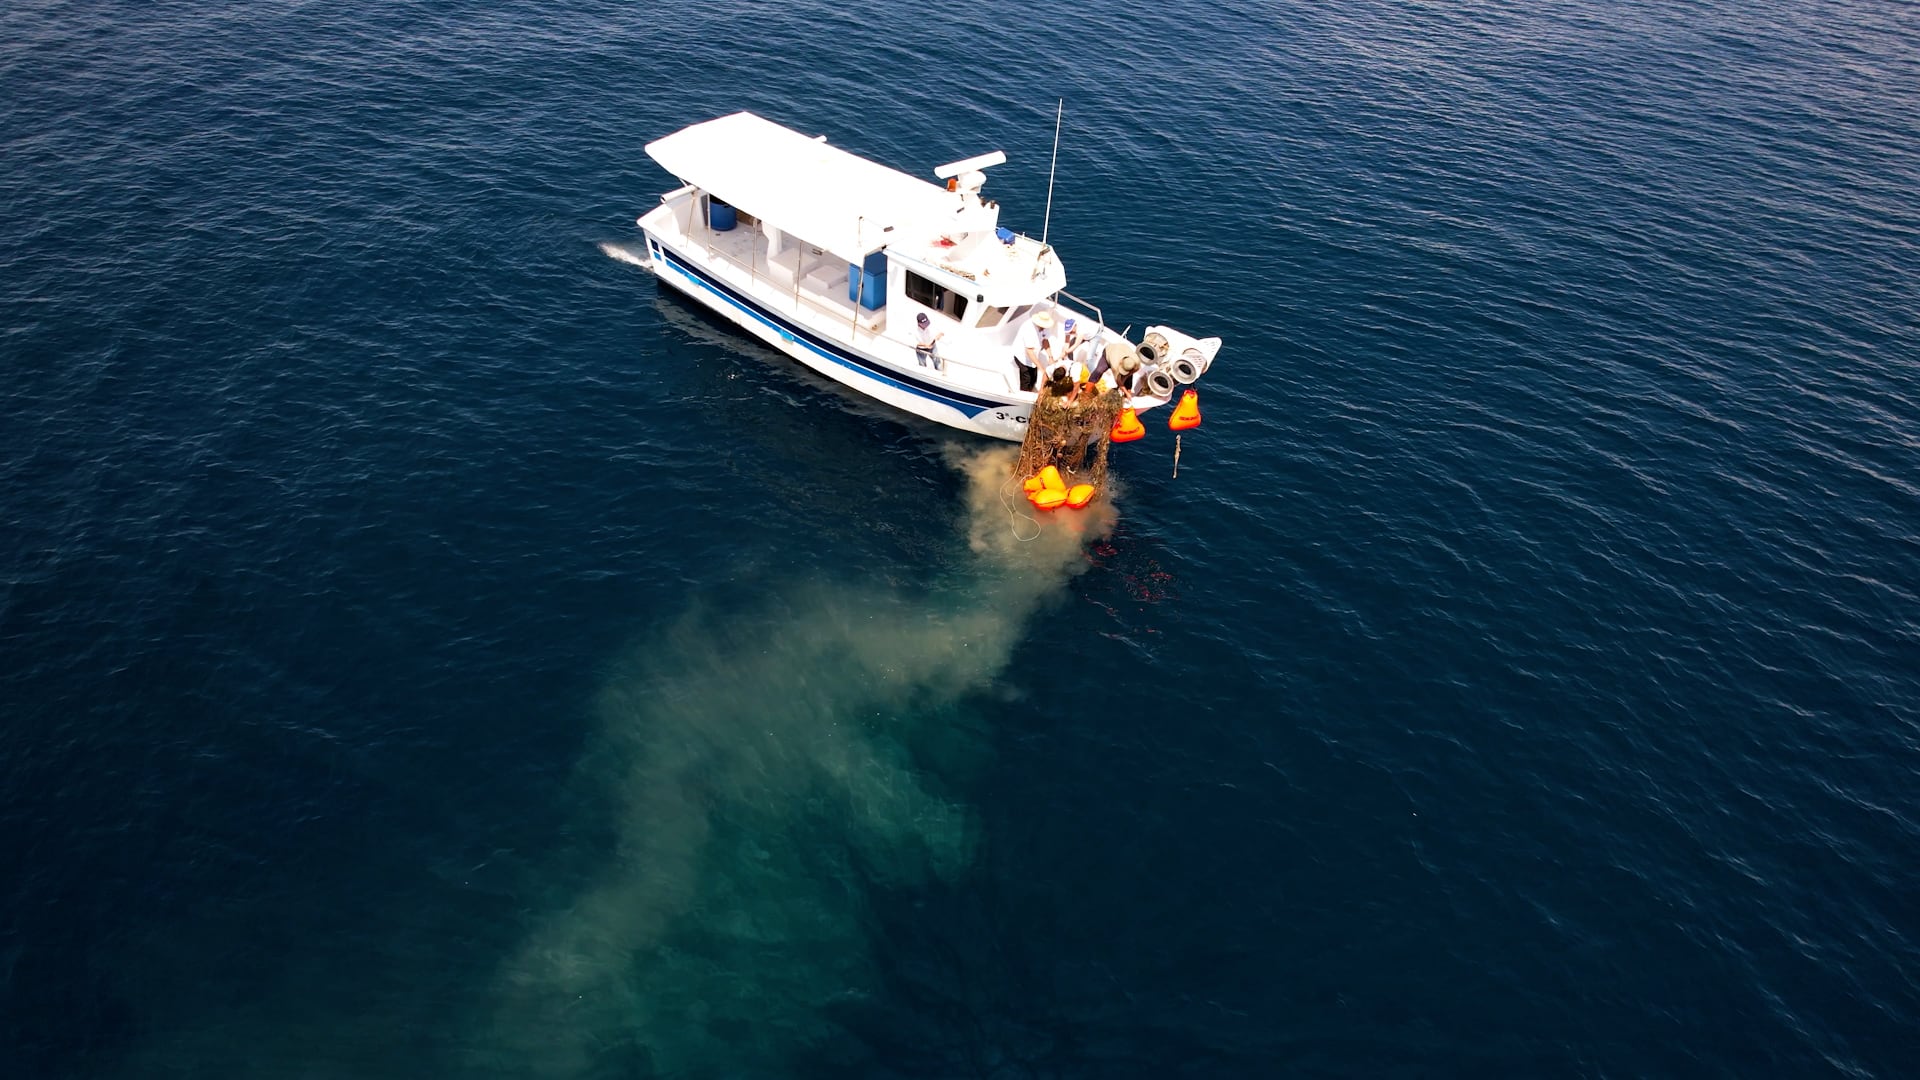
(1069,431)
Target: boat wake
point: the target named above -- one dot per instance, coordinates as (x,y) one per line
(626,253)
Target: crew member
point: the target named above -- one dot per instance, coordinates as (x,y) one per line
(1072,350)
(1033,351)
(923,348)
(1120,372)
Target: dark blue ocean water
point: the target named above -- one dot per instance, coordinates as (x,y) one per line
(426,649)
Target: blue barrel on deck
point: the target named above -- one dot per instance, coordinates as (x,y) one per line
(722,216)
(867,282)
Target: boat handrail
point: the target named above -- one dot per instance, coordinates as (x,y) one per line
(806,296)
(1097,317)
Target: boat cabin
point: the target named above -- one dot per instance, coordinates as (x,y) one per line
(848,236)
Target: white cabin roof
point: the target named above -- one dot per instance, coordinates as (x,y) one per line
(818,193)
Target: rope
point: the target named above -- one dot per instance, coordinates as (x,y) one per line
(1016,515)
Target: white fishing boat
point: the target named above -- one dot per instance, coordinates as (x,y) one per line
(834,260)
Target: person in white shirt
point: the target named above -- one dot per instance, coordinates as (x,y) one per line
(1033,350)
(1078,352)
(1049,354)
(923,348)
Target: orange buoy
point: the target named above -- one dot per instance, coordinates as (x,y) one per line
(1080,496)
(1188,413)
(1032,485)
(1050,479)
(1128,427)
(1048,498)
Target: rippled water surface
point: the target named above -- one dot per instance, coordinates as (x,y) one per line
(430,650)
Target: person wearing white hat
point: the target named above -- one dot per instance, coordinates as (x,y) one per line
(1118,365)
(1033,350)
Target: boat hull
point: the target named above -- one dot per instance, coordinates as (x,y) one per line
(841,360)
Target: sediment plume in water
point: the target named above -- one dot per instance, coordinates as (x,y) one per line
(753,773)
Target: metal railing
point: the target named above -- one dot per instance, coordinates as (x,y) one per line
(1097,317)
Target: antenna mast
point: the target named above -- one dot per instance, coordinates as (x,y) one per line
(1047,223)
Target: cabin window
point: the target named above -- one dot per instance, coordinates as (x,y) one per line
(996,316)
(938,297)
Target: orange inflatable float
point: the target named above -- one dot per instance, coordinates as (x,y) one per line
(1047,498)
(1187,415)
(1050,479)
(1128,427)
(1079,496)
(1032,485)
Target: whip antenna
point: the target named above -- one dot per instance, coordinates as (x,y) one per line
(1058,112)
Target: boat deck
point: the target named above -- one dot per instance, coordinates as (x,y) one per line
(809,285)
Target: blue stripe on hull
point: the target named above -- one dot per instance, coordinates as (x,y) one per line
(963,403)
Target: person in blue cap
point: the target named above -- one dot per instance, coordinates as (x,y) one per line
(1074,350)
(923,348)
